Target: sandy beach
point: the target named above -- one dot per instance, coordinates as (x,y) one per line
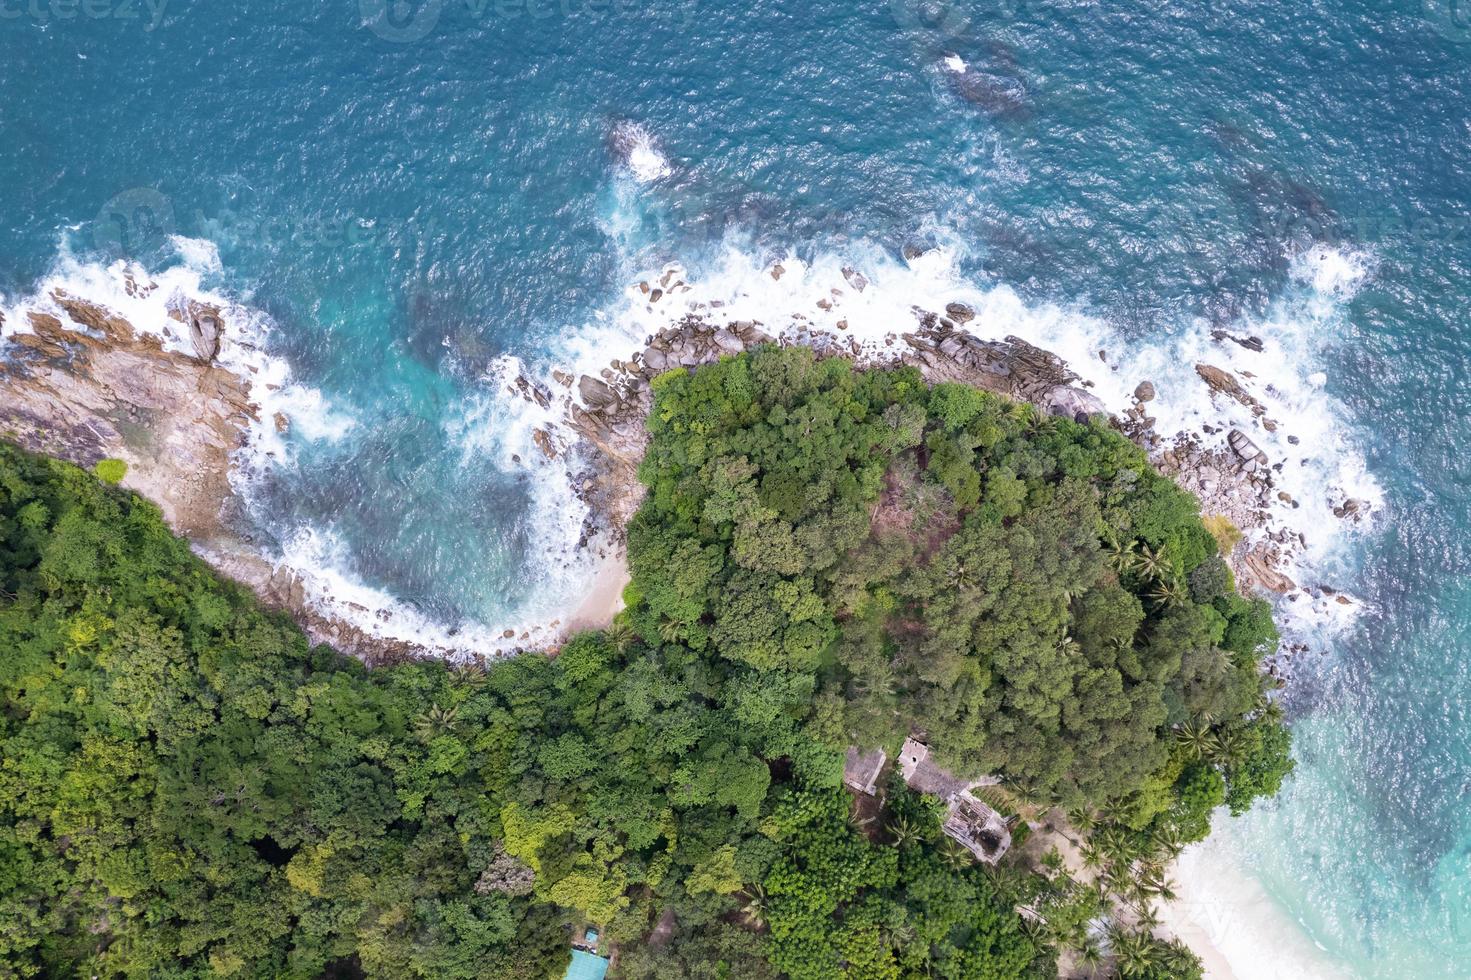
(604,598)
(1235,927)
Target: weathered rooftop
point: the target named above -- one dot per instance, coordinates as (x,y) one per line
(924,776)
(861,771)
(981,829)
(974,824)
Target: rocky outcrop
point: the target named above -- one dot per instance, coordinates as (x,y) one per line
(91,387)
(1235,480)
(1223,382)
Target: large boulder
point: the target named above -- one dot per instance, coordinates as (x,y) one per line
(595,393)
(1073,402)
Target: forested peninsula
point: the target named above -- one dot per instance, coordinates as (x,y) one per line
(829,561)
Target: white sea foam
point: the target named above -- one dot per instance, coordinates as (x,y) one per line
(1313,435)
(638,151)
(1237,928)
(497,426)
(200,254)
(955,63)
(865,294)
(323,564)
(146,299)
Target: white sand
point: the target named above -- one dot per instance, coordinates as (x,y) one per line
(604,598)
(1235,927)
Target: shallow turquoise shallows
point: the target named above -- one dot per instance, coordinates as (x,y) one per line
(415,201)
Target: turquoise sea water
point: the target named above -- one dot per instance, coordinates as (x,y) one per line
(413,201)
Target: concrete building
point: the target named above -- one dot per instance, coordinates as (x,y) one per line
(861,770)
(969,821)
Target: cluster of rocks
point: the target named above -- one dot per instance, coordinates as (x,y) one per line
(91,387)
(1011,367)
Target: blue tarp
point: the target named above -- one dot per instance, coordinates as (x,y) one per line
(586,966)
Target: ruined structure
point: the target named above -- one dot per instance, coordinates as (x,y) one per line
(969,821)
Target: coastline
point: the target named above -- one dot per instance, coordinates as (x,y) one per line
(1236,928)
(604,597)
(72,353)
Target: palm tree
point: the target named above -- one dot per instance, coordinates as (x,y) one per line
(1198,740)
(956,857)
(903,831)
(1092,855)
(1232,748)
(1082,819)
(469,674)
(1133,953)
(754,910)
(1152,883)
(1168,840)
(1147,917)
(1116,844)
(436,721)
(1169,592)
(1120,555)
(671,631)
(1090,957)
(1153,564)
(620,636)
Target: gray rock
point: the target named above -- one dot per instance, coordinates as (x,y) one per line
(959,312)
(1245,448)
(728,342)
(594,393)
(1145,392)
(1072,402)
(655,359)
(204,333)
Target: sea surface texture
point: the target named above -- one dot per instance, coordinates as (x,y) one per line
(408,204)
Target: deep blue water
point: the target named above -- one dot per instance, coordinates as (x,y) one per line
(409,199)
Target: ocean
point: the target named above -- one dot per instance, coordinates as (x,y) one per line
(406,205)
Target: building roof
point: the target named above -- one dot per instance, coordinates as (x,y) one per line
(861,770)
(981,829)
(974,824)
(923,776)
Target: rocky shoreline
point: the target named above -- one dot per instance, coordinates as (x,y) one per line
(93,386)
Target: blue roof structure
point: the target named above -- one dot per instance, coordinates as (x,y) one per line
(586,966)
